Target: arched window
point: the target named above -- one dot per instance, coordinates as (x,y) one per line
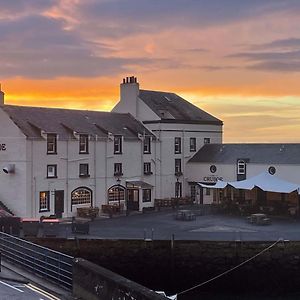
(116,193)
(81,195)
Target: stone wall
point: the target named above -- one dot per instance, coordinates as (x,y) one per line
(161,265)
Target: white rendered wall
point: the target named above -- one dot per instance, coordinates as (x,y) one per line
(13,187)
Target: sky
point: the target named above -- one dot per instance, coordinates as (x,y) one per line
(238,60)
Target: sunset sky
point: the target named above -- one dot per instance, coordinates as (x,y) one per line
(239,60)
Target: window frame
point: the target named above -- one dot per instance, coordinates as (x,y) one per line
(178,167)
(193,144)
(147,168)
(46,206)
(84,174)
(206,140)
(118,141)
(55,171)
(116,193)
(147,145)
(146,196)
(241,167)
(118,169)
(177,145)
(178,189)
(83,144)
(83,201)
(51,145)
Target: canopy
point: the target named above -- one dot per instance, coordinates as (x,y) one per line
(264,181)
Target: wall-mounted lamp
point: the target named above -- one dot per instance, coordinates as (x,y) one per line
(9,169)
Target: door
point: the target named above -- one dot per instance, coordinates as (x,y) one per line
(132,199)
(58,203)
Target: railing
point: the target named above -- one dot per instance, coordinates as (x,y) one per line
(45,262)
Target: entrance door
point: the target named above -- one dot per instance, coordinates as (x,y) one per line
(132,199)
(59,203)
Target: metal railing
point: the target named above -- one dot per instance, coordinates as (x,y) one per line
(42,261)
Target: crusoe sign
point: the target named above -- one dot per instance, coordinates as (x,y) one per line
(212,178)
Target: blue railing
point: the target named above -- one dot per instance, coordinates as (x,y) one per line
(45,262)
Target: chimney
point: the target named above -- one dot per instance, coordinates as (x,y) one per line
(1,97)
(129,91)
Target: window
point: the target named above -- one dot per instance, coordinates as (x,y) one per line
(177,145)
(178,166)
(51,171)
(192,144)
(207,191)
(178,189)
(84,170)
(81,195)
(117,144)
(83,144)
(147,168)
(147,195)
(51,144)
(193,193)
(44,201)
(206,140)
(116,193)
(118,169)
(147,145)
(241,167)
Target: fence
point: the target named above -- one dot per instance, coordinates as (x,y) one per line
(45,262)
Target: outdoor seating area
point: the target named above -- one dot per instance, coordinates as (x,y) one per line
(259,219)
(88,212)
(185,215)
(171,202)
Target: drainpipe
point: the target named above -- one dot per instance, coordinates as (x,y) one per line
(95,169)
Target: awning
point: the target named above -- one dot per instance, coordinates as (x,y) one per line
(264,181)
(138,183)
(219,185)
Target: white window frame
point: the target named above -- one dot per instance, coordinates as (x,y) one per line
(51,143)
(147,145)
(206,140)
(118,144)
(118,169)
(147,195)
(177,145)
(51,171)
(83,144)
(147,168)
(241,167)
(178,166)
(81,195)
(44,201)
(193,144)
(84,167)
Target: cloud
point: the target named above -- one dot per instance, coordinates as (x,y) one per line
(289,43)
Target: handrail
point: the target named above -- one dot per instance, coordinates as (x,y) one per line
(48,263)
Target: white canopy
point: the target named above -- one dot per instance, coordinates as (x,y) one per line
(264,181)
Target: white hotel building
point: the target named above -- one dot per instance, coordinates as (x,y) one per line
(152,145)
(56,160)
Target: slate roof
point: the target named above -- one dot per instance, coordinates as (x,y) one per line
(256,153)
(31,120)
(173,108)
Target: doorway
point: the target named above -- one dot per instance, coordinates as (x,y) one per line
(58,203)
(133,199)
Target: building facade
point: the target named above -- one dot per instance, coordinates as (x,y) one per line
(54,161)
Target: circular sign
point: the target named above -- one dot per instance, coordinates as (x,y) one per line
(272,170)
(213,168)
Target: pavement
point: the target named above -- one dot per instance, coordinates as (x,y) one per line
(162,225)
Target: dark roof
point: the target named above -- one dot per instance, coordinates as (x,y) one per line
(171,107)
(256,153)
(31,120)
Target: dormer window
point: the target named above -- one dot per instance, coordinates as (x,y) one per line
(241,167)
(83,144)
(51,143)
(117,144)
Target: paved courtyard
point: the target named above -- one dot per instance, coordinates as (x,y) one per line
(162,225)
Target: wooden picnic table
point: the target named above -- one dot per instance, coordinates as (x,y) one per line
(259,219)
(185,215)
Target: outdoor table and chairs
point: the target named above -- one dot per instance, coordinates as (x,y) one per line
(185,215)
(259,219)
